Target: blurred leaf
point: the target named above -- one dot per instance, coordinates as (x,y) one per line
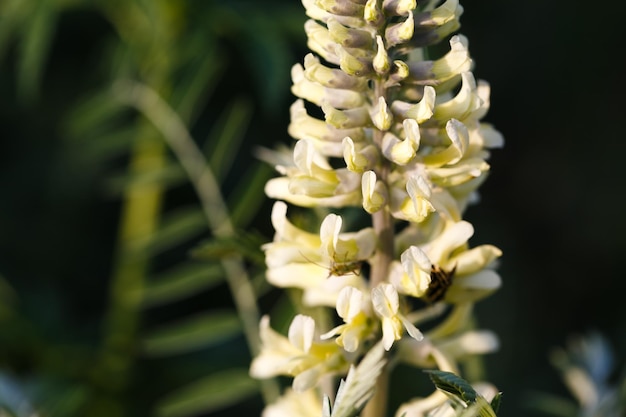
(94,115)
(12,16)
(243,243)
(37,34)
(551,404)
(495,403)
(177,227)
(227,134)
(198,82)
(269,58)
(248,194)
(171,175)
(214,392)
(110,144)
(184,280)
(192,334)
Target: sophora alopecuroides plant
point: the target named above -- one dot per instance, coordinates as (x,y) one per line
(401,138)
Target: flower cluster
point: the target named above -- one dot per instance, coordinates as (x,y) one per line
(399,135)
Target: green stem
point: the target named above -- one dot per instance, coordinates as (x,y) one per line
(207,188)
(140,217)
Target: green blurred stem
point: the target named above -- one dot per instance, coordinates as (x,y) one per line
(140,217)
(176,135)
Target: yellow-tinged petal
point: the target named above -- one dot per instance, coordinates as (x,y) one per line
(419,193)
(473,287)
(452,237)
(358,159)
(344,119)
(459,142)
(374,192)
(421,111)
(381,62)
(381,115)
(301,332)
(475,259)
(400,32)
(398,7)
(417,268)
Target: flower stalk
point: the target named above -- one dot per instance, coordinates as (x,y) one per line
(401,138)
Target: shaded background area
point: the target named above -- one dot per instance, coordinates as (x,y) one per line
(554,202)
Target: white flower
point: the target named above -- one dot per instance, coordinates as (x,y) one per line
(299,355)
(301,259)
(351,307)
(292,404)
(413,278)
(386,304)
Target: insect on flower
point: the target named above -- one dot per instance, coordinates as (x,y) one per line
(339,268)
(440,281)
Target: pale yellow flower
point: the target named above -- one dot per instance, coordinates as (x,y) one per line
(352,307)
(299,355)
(386,305)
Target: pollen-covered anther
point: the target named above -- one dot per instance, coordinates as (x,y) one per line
(381,115)
(400,32)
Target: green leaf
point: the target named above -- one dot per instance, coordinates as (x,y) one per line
(112,143)
(214,392)
(199,79)
(177,227)
(171,175)
(192,334)
(94,115)
(247,196)
(245,244)
(495,402)
(13,13)
(227,134)
(37,34)
(180,282)
(453,384)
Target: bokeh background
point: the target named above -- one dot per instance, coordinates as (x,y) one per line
(75,161)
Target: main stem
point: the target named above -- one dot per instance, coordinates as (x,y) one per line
(382,222)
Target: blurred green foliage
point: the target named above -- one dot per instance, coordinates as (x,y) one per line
(112,297)
(105,312)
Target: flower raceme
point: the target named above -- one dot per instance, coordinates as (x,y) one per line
(401,138)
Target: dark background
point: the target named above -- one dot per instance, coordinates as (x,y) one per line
(553,203)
